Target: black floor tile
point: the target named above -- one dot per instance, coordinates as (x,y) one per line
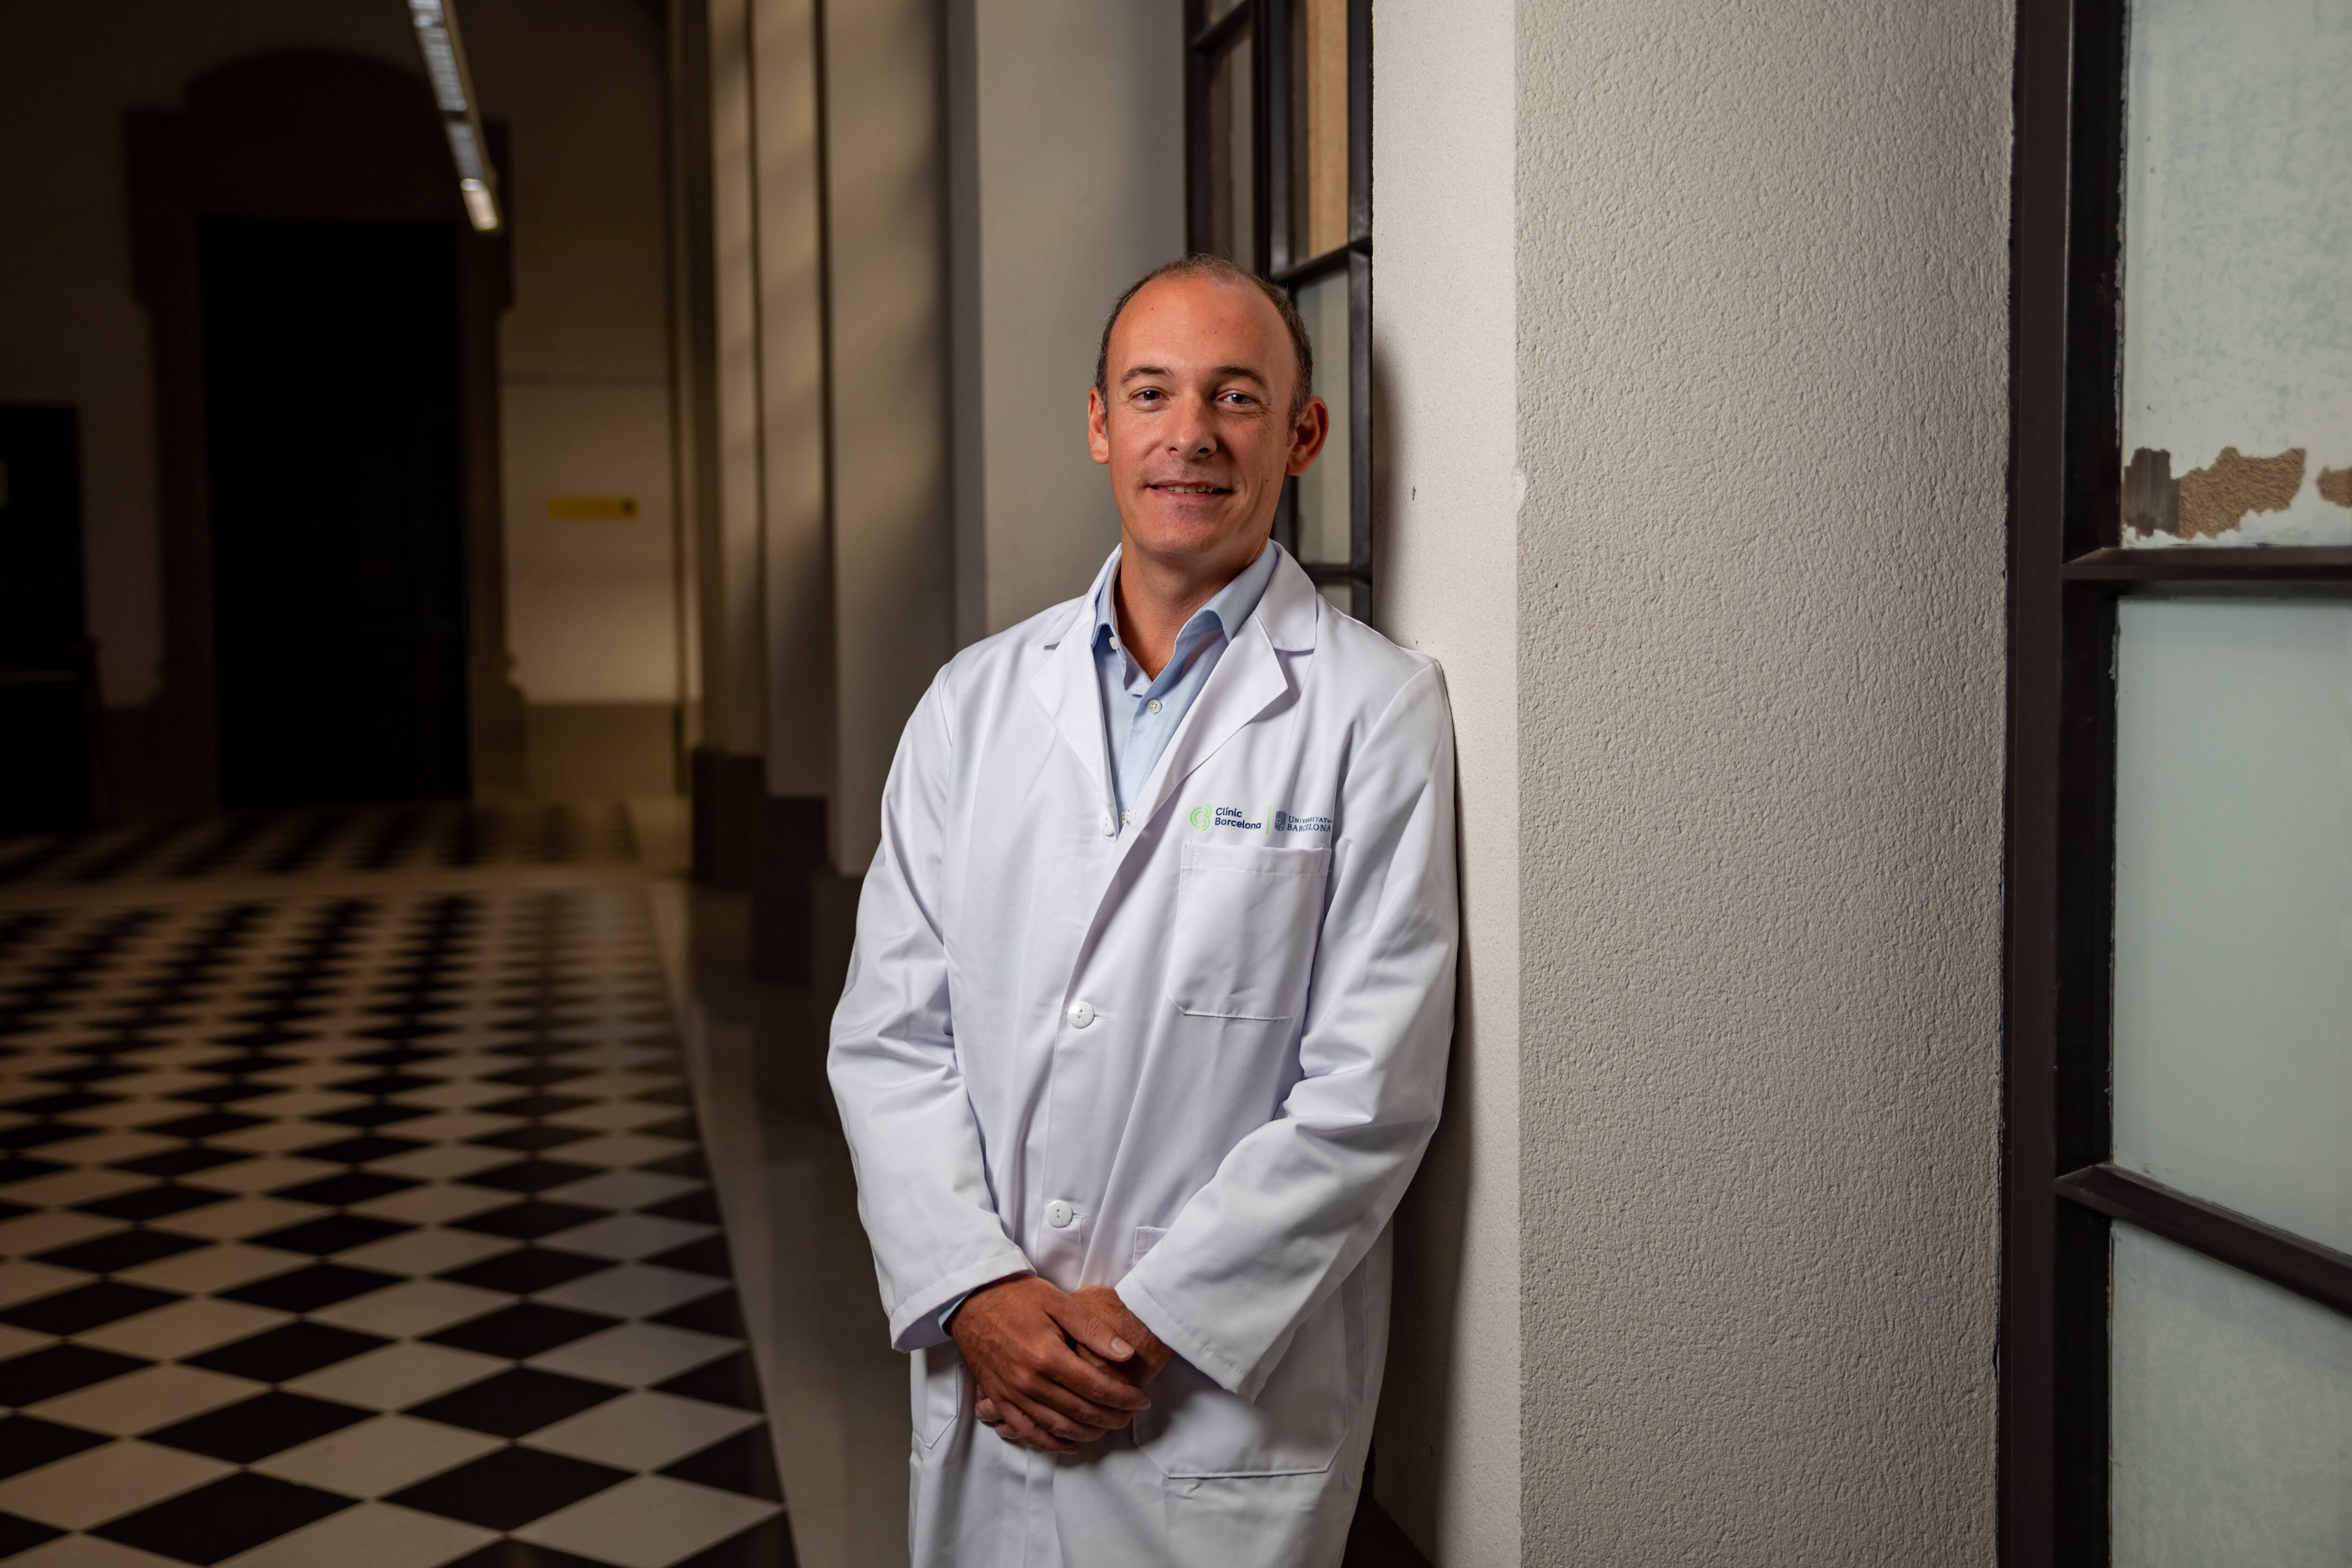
(731,1380)
(265,1425)
(53,1370)
(514,1403)
(360,1150)
(350,1187)
(512,1553)
(286,1352)
(507,1489)
(743,1463)
(37,1134)
(689,1163)
(64,1103)
(331,1233)
(152,1203)
(527,1269)
(184,1162)
(532,1139)
(84,1307)
(385,1083)
(531,1175)
(535,1105)
(89,1073)
(226,1093)
(24,1170)
(698,1207)
(764,1545)
(307,1289)
(718,1314)
(376,1113)
(397,1056)
(234,1514)
(531,1220)
(539,1075)
(22,1534)
(523,1330)
(706,1255)
(28,1442)
(122,1249)
(211,1124)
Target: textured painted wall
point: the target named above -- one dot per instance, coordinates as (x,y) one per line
(1761,289)
(1445,384)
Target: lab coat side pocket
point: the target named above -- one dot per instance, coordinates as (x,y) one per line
(940,1384)
(1246,922)
(1195,1430)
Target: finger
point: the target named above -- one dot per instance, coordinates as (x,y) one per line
(1048,1391)
(1086,1326)
(1106,1387)
(1019,1429)
(986,1411)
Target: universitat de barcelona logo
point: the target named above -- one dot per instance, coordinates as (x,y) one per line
(1261,820)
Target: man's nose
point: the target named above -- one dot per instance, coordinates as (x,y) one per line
(1193,433)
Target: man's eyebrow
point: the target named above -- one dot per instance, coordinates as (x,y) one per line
(1223,373)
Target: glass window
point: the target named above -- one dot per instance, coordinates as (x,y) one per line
(1232,159)
(1326,517)
(1318,144)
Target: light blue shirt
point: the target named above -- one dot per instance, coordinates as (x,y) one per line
(1141,712)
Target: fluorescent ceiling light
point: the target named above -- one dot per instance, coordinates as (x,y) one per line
(453,91)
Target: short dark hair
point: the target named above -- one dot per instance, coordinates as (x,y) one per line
(1202,265)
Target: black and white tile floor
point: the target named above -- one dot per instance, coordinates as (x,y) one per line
(369,1231)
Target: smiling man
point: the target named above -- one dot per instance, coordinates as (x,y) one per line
(1146,1028)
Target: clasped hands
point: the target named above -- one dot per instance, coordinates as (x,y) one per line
(1055,1369)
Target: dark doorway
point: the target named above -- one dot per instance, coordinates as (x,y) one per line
(46,668)
(333,438)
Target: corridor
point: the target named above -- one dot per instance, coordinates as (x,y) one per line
(357,1210)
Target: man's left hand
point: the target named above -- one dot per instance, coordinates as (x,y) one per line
(1151,1358)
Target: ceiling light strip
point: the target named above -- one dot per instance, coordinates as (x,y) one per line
(453,92)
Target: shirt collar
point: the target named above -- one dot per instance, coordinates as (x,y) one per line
(1232,605)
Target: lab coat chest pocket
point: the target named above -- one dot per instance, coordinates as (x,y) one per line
(1247,918)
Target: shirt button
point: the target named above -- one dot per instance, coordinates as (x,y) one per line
(1081,1014)
(1125,817)
(1153,705)
(1059,1215)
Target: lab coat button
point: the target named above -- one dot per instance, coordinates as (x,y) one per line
(1110,824)
(1059,1215)
(1081,1014)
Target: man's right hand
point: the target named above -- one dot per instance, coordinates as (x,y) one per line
(1016,1337)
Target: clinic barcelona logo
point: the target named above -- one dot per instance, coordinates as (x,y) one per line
(1262,820)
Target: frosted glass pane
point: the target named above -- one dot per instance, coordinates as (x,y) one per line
(1323,511)
(1318,135)
(2237,372)
(2233,906)
(2231,1405)
(1232,159)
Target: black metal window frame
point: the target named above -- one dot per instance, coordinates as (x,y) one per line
(2061,1189)
(1266,25)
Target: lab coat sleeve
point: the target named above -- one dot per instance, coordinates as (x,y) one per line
(1296,1204)
(923,1189)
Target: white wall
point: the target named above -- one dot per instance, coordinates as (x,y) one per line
(1762,266)
(584,349)
(1445,408)
(1070,164)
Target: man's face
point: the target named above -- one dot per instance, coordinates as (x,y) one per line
(1197,429)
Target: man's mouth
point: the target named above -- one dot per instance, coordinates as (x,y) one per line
(1190,488)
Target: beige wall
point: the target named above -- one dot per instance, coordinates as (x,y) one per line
(1069,167)
(584,347)
(1757,268)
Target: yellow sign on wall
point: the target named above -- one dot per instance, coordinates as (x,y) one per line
(591,509)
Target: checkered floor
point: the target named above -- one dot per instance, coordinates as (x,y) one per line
(325,840)
(368,1232)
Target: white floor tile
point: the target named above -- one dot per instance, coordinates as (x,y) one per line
(635,1355)
(182,1328)
(616,1115)
(300,1102)
(144,1400)
(461,1094)
(633,1290)
(372,1535)
(140,1110)
(99,1484)
(650,1521)
(412,1307)
(431,1250)
(64,1188)
(16,1342)
(397,1375)
(624,1236)
(622,1190)
(436,1202)
(241,1218)
(642,1431)
(454,1126)
(22,1282)
(443,1162)
(618,1149)
(106,1149)
(87,1551)
(379,1455)
(213,1267)
(306,1075)
(276,1137)
(29,1233)
(263,1174)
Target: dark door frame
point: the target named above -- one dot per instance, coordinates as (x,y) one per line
(316,135)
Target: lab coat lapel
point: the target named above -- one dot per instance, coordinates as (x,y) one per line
(1067,685)
(1248,679)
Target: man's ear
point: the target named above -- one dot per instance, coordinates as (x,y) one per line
(1098,425)
(1308,436)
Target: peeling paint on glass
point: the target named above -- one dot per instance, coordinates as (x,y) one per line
(2237,263)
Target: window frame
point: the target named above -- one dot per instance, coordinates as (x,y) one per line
(1267,24)
(2062,1192)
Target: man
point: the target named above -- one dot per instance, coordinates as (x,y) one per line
(1146,1026)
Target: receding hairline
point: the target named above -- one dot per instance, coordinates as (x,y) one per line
(1217,269)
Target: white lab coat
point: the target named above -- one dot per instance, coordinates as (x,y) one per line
(1196,1057)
